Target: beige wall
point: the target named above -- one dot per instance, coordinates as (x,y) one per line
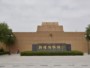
(76,39)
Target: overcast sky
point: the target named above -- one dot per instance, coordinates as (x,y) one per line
(25,15)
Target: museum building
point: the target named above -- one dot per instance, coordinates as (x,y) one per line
(50,36)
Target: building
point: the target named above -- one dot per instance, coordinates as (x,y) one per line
(50,36)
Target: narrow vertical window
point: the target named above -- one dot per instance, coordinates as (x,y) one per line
(40,47)
(54,47)
(44,47)
(49,47)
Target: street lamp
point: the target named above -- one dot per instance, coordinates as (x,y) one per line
(88,38)
(9,41)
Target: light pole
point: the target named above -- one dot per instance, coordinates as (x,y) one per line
(8,42)
(88,38)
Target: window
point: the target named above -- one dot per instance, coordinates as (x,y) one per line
(54,47)
(58,47)
(40,47)
(44,47)
(49,47)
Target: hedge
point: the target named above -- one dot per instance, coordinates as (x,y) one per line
(46,53)
(1,50)
(3,53)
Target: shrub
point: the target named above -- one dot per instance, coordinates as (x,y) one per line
(47,53)
(3,53)
(1,50)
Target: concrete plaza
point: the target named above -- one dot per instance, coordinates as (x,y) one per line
(17,61)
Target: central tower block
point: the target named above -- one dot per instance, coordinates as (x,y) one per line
(50,26)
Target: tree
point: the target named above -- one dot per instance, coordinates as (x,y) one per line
(87,35)
(6,35)
(3,31)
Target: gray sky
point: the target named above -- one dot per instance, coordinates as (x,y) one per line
(25,15)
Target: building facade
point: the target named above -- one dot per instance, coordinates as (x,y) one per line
(50,36)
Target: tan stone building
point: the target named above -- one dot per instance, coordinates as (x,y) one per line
(50,36)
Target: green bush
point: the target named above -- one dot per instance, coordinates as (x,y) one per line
(46,53)
(3,53)
(1,50)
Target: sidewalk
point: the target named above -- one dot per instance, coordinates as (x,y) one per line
(18,61)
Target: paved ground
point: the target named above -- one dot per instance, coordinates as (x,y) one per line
(17,61)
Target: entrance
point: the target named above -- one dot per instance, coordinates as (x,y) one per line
(51,47)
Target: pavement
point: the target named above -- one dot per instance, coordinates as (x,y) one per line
(17,61)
